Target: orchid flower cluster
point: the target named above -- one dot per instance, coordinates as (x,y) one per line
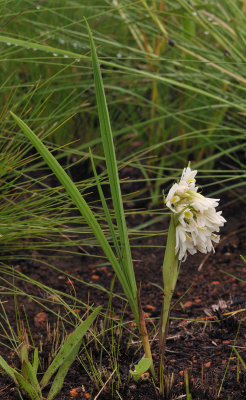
(195,216)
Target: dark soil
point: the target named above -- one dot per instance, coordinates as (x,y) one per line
(205,323)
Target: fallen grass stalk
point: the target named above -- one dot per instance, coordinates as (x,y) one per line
(105,384)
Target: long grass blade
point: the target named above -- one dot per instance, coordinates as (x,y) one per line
(83,207)
(109,151)
(105,208)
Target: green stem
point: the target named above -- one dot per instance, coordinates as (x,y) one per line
(170,276)
(145,336)
(164,328)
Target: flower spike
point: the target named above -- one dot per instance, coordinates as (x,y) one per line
(196,218)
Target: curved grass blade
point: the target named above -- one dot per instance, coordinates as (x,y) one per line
(83,207)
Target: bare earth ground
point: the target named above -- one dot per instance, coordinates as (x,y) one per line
(202,331)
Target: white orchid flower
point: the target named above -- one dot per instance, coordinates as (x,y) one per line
(196,217)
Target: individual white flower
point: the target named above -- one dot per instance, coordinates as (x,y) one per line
(184,243)
(188,176)
(178,190)
(173,196)
(210,219)
(186,216)
(196,217)
(201,203)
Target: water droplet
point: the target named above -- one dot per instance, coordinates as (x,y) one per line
(55,54)
(77,60)
(194,13)
(75,45)
(62,41)
(8,44)
(210,19)
(38,7)
(119,55)
(206,33)
(65,56)
(35,48)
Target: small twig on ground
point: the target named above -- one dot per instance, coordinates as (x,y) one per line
(105,384)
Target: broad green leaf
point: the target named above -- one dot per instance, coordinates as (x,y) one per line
(170,263)
(67,350)
(140,368)
(62,372)
(143,365)
(20,381)
(170,276)
(9,370)
(24,353)
(30,376)
(27,387)
(35,361)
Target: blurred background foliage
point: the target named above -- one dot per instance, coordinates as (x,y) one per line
(174,78)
